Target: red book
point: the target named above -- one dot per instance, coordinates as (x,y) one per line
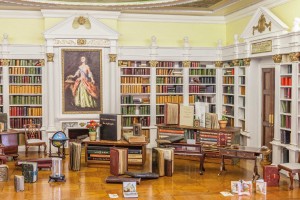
(271,175)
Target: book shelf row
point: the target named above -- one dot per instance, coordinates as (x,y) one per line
(135,80)
(25,79)
(17,99)
(135,110)
(19,123)
(21,62)
(25,89)
(25,70)
(25,111)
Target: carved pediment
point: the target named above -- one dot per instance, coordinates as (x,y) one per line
(262,25)
(81,27)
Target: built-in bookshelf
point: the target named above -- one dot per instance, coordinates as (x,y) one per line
(286,71)
(135,94)
(25,92)
(1,89)
(242,97)
(169,86)
(228,93)
(202,84)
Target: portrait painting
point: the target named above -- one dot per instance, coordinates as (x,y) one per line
(82,81)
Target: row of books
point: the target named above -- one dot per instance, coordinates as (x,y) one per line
(25,111)
(17,99)
(285,121)
(202,88)
(135,71)
(205,80)
(19,122)
(25,79)
(285,137)
(201,98)
(1,100)
(169,88)
(229,71)
(197,64)
(228,80)
(168,72)
(130,99)
(287,93)
(25,89)
(228,89)
(160,120)
(132,110)
(286,106)
(286,81)
(202,72)
(22,62)
(242,80)
(166,64)
(129,121)
(25,70)
(160,99)
(160,109)
(169,80)
(135,88)
(135,80)
(228,99)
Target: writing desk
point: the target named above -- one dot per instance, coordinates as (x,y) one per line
(249,153)
(185,149)
(9,139)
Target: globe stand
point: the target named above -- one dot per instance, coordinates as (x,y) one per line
(58,140)
(57,178)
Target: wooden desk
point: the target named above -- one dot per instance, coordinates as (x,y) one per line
(9,139)
(242,152)
(188,150)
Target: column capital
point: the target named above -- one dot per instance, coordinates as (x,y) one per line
(277,58)
(186,63)
(153,63)
(112,57)
(50,57)
(218,63)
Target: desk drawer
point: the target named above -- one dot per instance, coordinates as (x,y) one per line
(228,153)
(245,154)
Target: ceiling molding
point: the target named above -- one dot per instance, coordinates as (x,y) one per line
(172,18)
(68,13)
(20,14)
(249,11)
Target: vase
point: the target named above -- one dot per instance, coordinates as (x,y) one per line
(92,135)
(222,123)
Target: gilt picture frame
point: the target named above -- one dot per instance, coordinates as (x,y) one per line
(81,81)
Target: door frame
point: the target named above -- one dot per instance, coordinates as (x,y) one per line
(261,67)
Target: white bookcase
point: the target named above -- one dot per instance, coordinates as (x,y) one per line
(229,94)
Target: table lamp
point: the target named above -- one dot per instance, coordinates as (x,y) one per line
(56,171)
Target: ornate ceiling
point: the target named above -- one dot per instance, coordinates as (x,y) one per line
(183,7)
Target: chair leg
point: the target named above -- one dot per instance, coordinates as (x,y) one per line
(292,180)
(45,149)
(39,148)
(26,151)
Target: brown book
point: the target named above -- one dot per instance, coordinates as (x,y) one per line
(171,113)
(222,140)
(159,157)
(129,137)
(118,179)
(168,167)
(118,160)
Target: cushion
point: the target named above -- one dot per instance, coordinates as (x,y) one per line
(291,166)
(30,141)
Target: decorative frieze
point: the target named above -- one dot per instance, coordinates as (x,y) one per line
(80,42)
(235,62)
(277,58)
(4,62)
(50,57)
(112,57)
(262,25)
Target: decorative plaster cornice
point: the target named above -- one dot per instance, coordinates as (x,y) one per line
(68,13)
(21,14)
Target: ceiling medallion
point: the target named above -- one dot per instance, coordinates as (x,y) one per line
(262,25)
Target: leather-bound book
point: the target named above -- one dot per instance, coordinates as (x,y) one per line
(3,173)
(119,179)
(159,157)
(118,160)
(111,127)
(143,175)
(168,167)
(30,172)
(222,140)
(271,175)
(19,183)
(171,113)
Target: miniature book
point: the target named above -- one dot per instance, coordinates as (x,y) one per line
(261,187)
(129,190)
(118,160)
(245,188)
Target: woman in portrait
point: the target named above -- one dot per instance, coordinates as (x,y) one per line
(84,90)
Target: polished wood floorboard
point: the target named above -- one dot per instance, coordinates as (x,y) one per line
(185,184)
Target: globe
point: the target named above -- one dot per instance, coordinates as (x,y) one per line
(59,139)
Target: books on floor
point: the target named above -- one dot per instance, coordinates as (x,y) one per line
(118,160)
(75,156)
(30,172)
(19,183)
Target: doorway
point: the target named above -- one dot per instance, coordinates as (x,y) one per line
(268,97)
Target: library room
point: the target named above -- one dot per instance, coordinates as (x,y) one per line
(156,99)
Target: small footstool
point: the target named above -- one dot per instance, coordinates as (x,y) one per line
(292,168)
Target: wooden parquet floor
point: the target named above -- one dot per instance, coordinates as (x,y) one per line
(185,184)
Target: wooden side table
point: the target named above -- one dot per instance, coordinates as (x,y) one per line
(292,169)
